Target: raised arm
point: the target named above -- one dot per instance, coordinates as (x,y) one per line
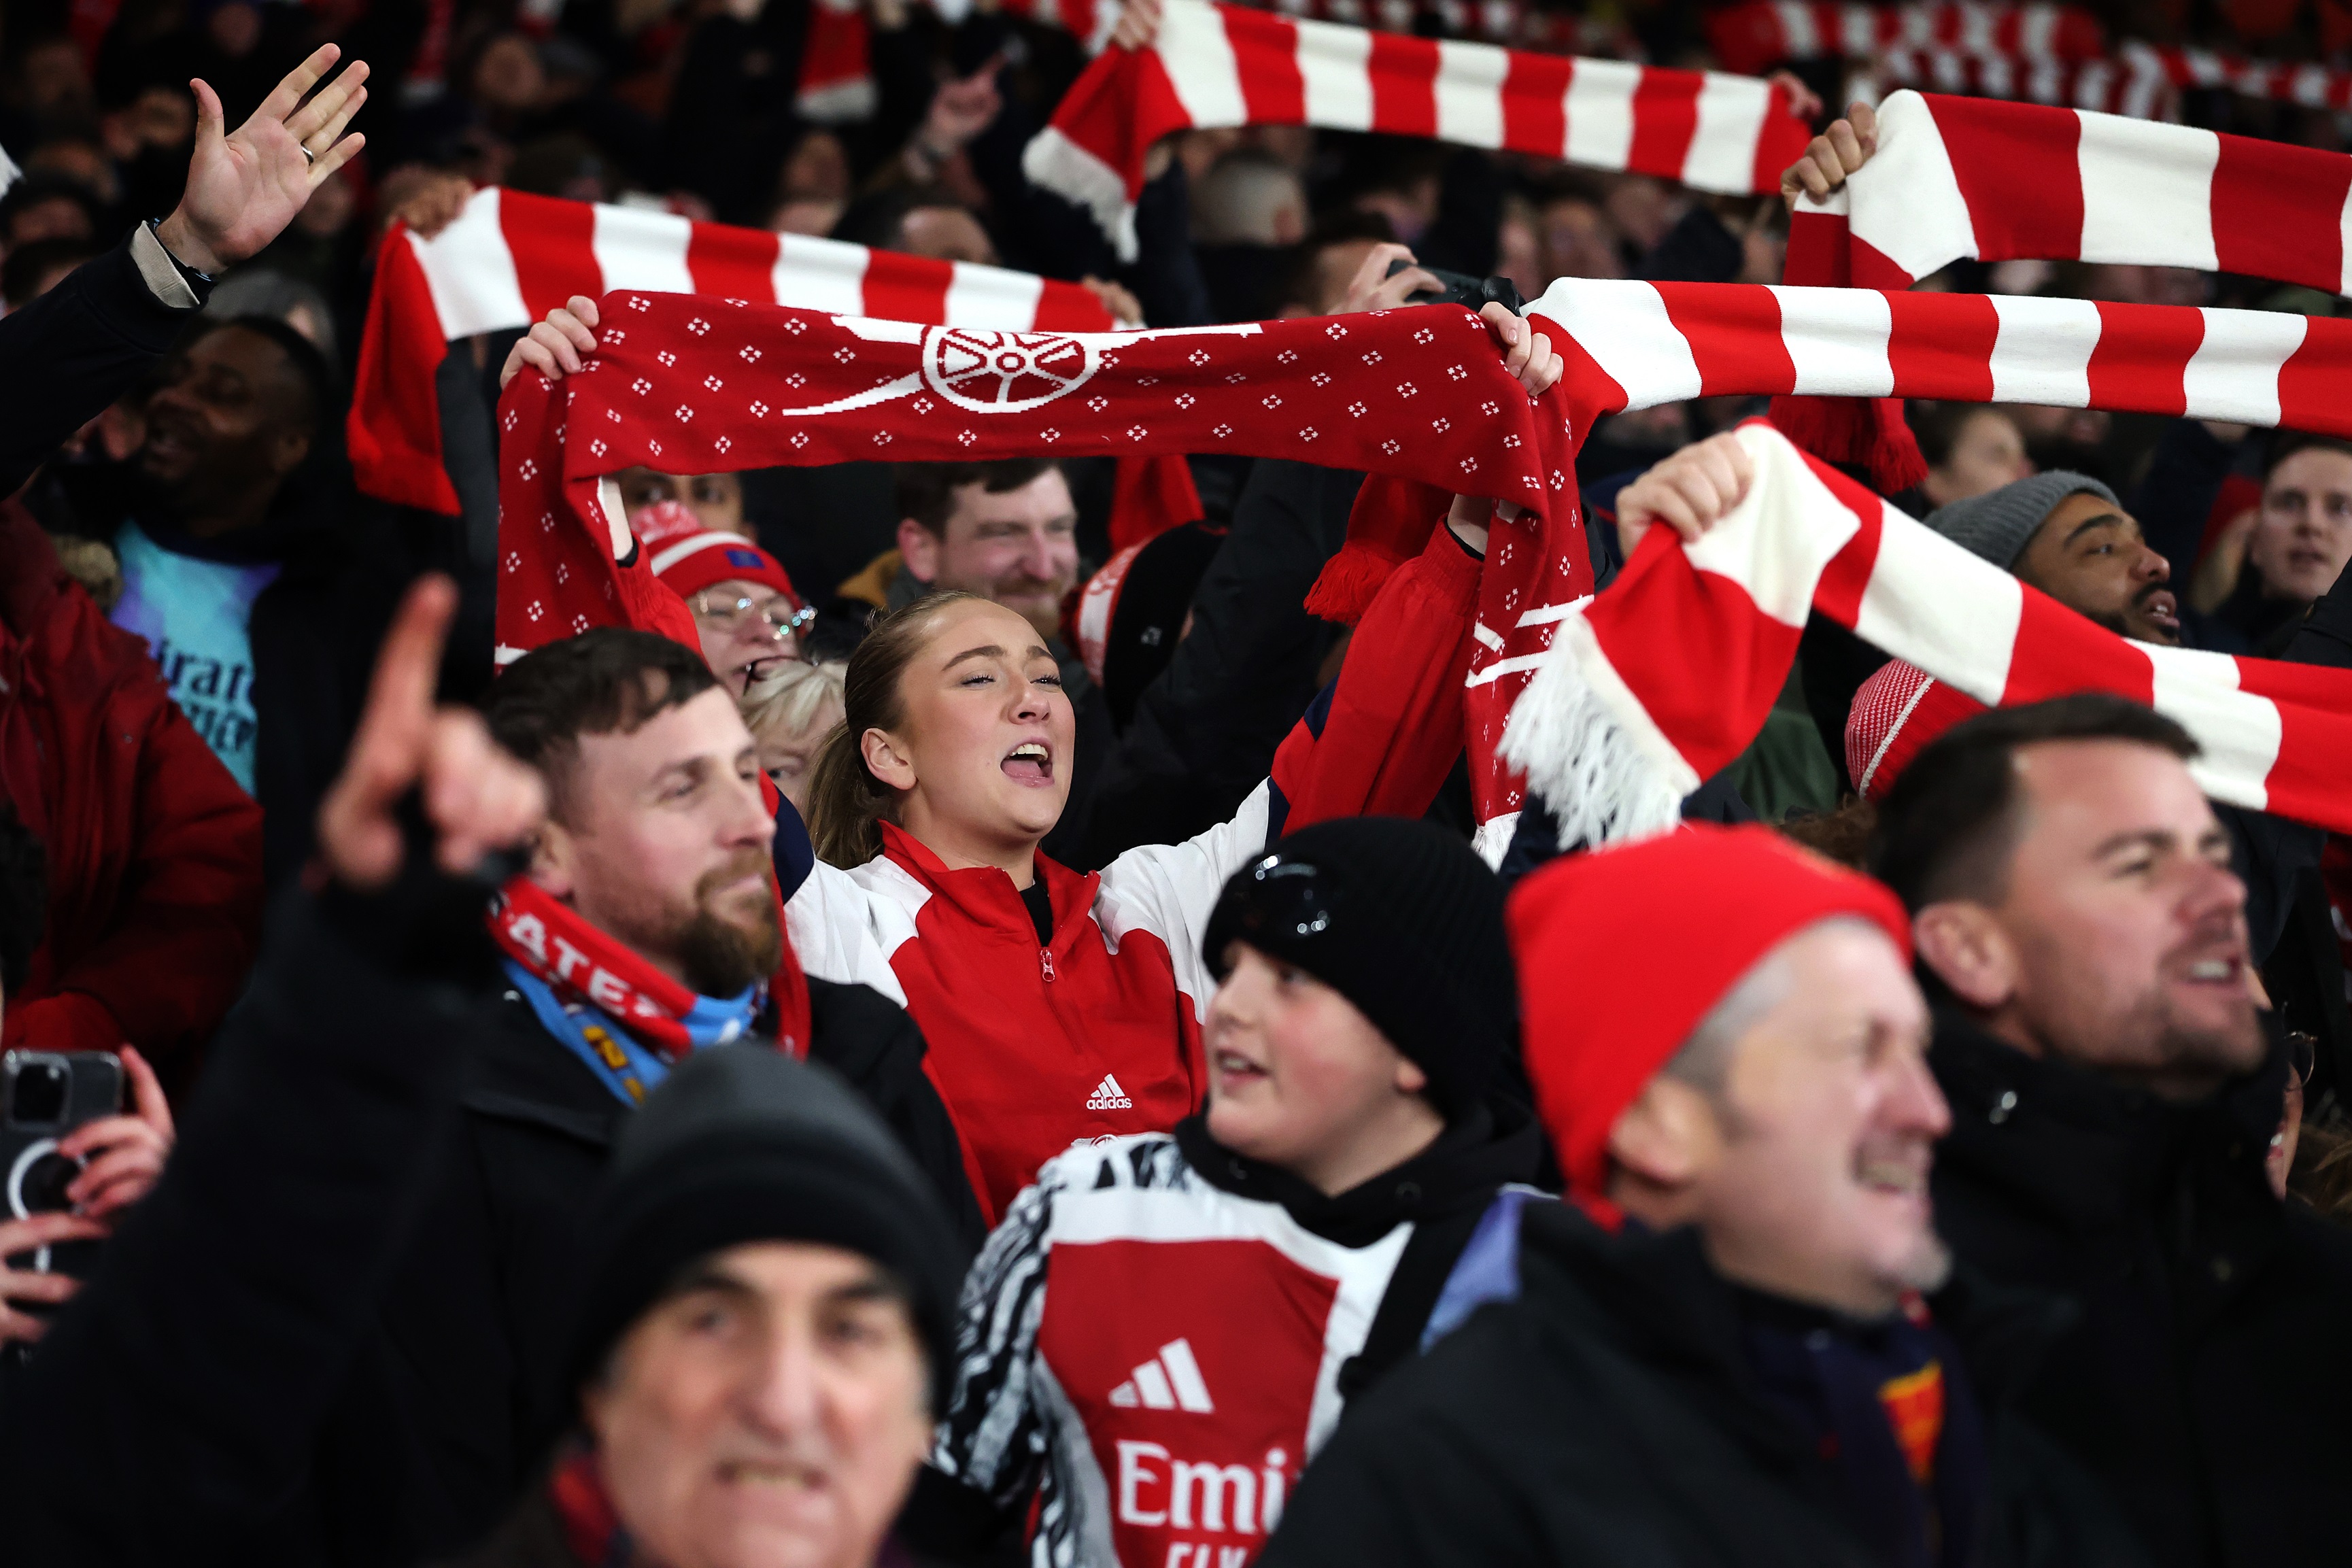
(174,1406)
(85,343)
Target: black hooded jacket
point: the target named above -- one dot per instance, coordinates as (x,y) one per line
(2207,1380)
(1609,1414)
(457,1387)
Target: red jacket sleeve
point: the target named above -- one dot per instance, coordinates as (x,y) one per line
(1392,727)
(190,912)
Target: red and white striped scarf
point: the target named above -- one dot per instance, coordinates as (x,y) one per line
(1759,34)
(1219,65)
(701,385)
(1959,177)
(1636,345)
(2133,82)
(510,259)
(2048,54)
(1665,678)
(1512,22)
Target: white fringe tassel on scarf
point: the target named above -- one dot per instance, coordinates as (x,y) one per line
(1606,779)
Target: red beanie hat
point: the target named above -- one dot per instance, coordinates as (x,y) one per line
(688,565)
(1622,952)
(1896,714)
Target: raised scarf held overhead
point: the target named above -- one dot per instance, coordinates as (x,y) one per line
(693,385)
(1636,345)
(1958,177)
(1756,35)
(1667,675)
(1415,393)
(2051,54)
(509,259)
(1223,65)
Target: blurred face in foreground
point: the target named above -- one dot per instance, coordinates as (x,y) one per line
(768,1413)
(1797,1131)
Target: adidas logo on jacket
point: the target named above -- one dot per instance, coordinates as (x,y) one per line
(1033,1051)
(1162,1333)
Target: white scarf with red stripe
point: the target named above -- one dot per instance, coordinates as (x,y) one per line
(1221,64)
(1665,678)
(511,257)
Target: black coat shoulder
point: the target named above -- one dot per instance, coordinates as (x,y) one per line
(1543,1432)
(72,352)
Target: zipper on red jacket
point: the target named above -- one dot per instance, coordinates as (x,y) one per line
(1045,961)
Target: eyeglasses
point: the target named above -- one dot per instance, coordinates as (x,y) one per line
(732,615)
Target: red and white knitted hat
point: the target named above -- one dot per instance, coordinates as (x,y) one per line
(1896,714)
(688,565)
(1683,917)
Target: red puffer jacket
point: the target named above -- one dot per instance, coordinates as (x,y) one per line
(154,853)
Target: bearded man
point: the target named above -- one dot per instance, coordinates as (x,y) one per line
(646,927)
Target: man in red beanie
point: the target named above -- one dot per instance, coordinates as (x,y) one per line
(1719,1353)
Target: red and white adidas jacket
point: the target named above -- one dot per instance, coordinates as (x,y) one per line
(1156,1358)
(1034,1049)
(1098,1034)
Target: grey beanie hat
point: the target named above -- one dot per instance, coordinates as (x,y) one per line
(1999,524)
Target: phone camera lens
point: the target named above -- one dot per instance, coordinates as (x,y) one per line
(46,1184)
(37,1094)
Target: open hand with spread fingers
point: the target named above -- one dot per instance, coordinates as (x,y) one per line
(245,186)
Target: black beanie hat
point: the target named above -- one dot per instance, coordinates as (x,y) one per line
(1148,617)
(1404,920)
(742,1144)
